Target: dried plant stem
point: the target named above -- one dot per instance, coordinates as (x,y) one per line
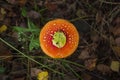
(23,54)
(107,2)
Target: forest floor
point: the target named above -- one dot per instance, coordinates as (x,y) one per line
(96,58)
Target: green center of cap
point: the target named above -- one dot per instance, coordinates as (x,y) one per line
(59,39)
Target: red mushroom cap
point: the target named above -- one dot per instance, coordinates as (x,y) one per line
(67,42)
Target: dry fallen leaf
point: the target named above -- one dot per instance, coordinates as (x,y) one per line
(80,13)
(22,78)
(116,21)
(11,14)
(7,21)
(86,76)
(90,64)
(5,54)
(84,54)
(20,2)
(35,71)
(3,76)
(40,3)
(99,17)
(116,30)
(94,36)
(3,28)
(115,45)
(43,75)
(3,12)
(1,17)
(116,49)
(103,68)
(117,41)
(51,6)
(69,76)
(115,65)
(33,14)
(11,1)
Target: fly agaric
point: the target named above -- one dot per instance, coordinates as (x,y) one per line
(59,38)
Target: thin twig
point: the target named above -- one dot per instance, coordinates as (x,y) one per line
(83,67)
(107,2)
(23,54)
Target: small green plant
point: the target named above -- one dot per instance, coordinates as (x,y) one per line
(2,69)
(24,12)
(30,34)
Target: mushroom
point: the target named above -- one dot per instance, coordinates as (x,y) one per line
(59,38)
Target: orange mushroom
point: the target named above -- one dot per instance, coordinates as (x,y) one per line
(59,38)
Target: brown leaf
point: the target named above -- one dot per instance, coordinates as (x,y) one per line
(86,76)
(90,64)
(16,66)
(19,2)
(103,68)
(15,36)
(51,6)
(116,30)
(12,14)
(99,17)
(116,49)
(22,78)
(112,41)
(69,76)
(94,36)
(11,1)
(84,54)
(1,17)
(35,71)
(18,74)
(117,41)
(22,2)
(33,14)
(80,13)
(5,53)
(116,21)
(40,3)
(7,21)
(3,76)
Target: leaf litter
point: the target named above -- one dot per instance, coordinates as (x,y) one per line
(99,48)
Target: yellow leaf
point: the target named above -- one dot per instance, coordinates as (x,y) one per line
(43,75)
(117,50)
(3,12)
(115,66)
(3,28)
